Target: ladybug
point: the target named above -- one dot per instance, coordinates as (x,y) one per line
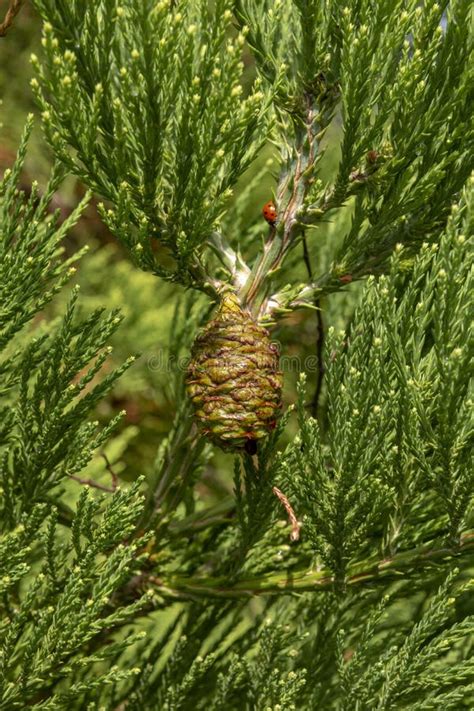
(346,279)
(269,212)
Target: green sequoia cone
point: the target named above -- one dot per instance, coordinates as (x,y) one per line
(233,378)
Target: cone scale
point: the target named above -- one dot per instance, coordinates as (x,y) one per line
(233,378)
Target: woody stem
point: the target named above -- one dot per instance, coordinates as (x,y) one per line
(292,189)
(400,566)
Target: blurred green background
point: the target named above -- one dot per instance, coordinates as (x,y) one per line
(108,278)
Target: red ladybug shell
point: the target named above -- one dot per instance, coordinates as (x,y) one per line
(269,212)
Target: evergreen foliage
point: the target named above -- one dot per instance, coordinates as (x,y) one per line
(337,574)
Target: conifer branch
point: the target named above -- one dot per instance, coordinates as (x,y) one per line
(150,105)
(12,11)
(294,183)
(403,566)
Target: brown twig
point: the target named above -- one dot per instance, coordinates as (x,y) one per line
(295,524)
(92,483)
(114,476)
(319,335)
(95,484)
(12,12)
(319,355)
